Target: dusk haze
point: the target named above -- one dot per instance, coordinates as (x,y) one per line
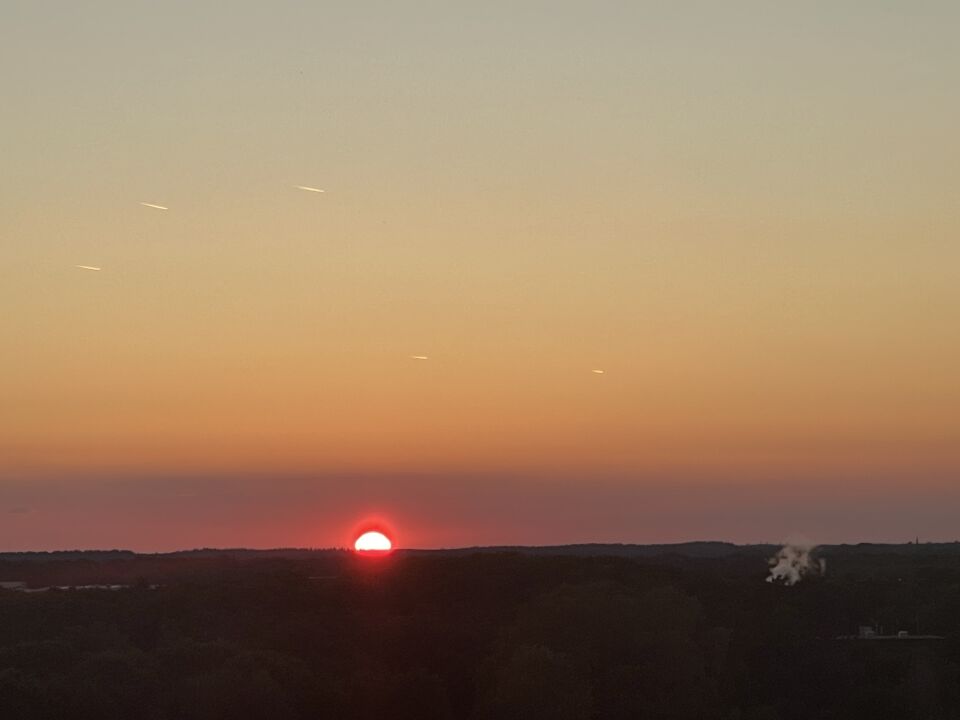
(500,273)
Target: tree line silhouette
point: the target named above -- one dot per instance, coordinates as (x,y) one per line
(485,635)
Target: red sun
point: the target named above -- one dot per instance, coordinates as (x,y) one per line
(373,542)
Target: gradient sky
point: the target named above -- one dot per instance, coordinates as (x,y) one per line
(745,213)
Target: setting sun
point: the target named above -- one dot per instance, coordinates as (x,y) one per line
(373,541)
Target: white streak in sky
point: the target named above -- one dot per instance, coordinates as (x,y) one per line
(155,207)
(88,267)
(598,372)
(419,357)
(309,189)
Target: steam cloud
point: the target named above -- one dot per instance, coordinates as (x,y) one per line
(793,562)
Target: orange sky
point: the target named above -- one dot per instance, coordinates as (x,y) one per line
(745,215)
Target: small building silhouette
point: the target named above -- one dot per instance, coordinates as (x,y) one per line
(869,632)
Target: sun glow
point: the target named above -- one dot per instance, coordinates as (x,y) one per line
(373,542)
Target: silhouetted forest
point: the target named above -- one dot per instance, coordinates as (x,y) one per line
(606,632)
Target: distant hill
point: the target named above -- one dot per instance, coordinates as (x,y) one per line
(706,549)
(697,549)
(59,555)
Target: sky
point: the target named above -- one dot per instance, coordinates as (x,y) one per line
(743,213)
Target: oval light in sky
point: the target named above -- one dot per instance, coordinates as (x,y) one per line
(373,541)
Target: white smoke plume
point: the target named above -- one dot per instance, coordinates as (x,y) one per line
(793,562)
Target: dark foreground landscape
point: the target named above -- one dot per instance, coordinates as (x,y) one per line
(607,632)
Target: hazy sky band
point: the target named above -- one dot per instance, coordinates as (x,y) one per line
(744,213)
